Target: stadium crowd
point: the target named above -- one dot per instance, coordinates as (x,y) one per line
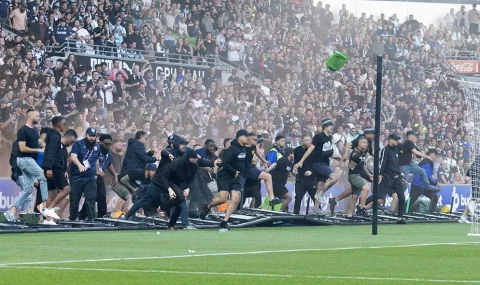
(285,42)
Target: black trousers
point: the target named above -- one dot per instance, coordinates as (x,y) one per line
(100,198)
(303,186)
(38,199)
(154,192)
(392,183)
(89,189)
(417,191)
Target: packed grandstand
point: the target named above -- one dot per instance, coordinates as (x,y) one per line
(254,65)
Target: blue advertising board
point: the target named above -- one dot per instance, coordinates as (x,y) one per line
(460,194)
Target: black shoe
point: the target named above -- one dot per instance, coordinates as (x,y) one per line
(401,222)
(204,212)
(275,201)
(224,226)
(363,212)
(332,203)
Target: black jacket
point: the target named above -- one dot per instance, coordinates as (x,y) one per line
(233,160)
(55,152)
(389,164)
(13,161)
(136,157)
(180,171)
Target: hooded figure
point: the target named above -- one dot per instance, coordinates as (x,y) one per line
(136,157)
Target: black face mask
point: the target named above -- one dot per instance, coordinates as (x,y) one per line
(89,144)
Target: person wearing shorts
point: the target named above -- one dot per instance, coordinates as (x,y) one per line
(322,144)
(252,190)
(128,184)
(282,169)
(358,178)
(229,178)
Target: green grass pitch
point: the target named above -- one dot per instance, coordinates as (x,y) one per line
(411,254)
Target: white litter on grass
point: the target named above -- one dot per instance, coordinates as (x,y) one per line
(158,233)
(191,251)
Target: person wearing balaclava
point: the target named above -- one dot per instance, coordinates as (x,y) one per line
(83,170)
(173,180)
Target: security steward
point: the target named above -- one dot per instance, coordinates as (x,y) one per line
(390,177)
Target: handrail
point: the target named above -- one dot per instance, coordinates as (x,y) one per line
(72,47)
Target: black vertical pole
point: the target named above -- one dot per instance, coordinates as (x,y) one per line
(376,158)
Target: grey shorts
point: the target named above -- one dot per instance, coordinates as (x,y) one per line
(357,182)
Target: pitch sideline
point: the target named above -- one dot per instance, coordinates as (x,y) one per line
(234,253)
(253,274)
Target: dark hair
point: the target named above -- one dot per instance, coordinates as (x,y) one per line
(105,137)
(43,130)
(70,133)
(140,134)
(29,110)
(225,141)
(432,151)
(57,120)
(207,141)
(277,138)
(288,151)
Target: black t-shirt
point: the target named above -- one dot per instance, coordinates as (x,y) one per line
(281,171)
(250,152)
(137,178)
(323,148)
(30,136)
(210,47)
(356,163)
(405,157)
(307,165)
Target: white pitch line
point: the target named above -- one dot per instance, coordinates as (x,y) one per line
(235,253)
(251,274)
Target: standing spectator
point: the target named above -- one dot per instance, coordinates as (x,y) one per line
(473,20)
(18,19)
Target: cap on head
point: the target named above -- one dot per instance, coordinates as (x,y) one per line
(91,132)
(369,131)
(394,136)
(327,123)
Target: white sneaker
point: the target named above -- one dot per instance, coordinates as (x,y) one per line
(320,198)
(50,213)
(56,209)
(41,208)
(49,222)
(464,220)
(9,216)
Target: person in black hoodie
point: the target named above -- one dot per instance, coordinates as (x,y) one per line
(55,161)
(229,181)
(55,173)
(136,157)
(169,180)
(199,193)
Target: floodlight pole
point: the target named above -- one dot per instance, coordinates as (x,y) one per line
(376,157)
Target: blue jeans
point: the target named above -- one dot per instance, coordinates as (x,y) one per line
(184,214)
(26,203)
(30,172)
(415,169)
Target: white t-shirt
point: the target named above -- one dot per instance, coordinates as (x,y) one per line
(233,55)
(109,92)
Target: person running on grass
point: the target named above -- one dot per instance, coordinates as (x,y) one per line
(322,144)
(369,133)
(253,173)
(229,180)
(358,177)
(27,137)
(305,181)
(281,170)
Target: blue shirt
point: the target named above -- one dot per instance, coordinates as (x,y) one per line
(62,33)
(90,155)
(104,160)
